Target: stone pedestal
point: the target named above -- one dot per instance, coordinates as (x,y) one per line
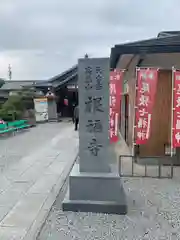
(94,185)
(95,192)
(52,111)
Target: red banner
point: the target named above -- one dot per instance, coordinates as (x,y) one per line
(66,102)
(176,109)
(115,90)
(146,89)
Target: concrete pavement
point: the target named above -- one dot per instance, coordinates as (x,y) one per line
(34,166)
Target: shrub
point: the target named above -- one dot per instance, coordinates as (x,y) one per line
(16,105)
(12,109)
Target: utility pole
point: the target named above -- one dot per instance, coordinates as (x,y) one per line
(9,72)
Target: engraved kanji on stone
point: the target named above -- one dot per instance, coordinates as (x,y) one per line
(94,104)
(99,78)
(88,78)
(94,147)
(94,126)
(97,104)
(89,105)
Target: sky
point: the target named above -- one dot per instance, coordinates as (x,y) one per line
(42,38)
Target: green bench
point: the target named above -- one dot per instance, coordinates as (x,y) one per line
(5,129)
(11,127)
(17,125)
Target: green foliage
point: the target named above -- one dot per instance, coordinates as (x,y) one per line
(16,104)
(12,109)
(10,115)
(29,93)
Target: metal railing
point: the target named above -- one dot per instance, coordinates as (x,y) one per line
(128,167)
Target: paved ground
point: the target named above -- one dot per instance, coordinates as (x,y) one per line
(33,166)
(153,214)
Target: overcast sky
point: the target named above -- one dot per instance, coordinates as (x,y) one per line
(42,38)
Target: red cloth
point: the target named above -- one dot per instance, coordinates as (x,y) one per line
(66,102)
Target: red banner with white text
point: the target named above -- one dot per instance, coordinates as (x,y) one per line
(176,109)
(145,96)
(115,91)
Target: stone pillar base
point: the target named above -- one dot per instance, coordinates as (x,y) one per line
(95,192)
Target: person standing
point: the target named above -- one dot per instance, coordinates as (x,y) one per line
(76,117)
(72,111)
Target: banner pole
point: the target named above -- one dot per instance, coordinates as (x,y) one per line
(172,112)
(134,117)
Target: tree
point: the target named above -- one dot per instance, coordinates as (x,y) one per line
(17,103)
(12,109)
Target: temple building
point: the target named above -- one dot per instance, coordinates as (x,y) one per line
(162,53)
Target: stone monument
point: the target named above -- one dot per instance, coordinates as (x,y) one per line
(52,106)
(94,184)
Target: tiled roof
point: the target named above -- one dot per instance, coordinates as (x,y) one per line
(164,43)
(168,33)
(56,81)
(16,85)
(60,79)
(175,40)
(62,76)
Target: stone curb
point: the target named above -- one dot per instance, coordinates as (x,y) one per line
(42,215)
